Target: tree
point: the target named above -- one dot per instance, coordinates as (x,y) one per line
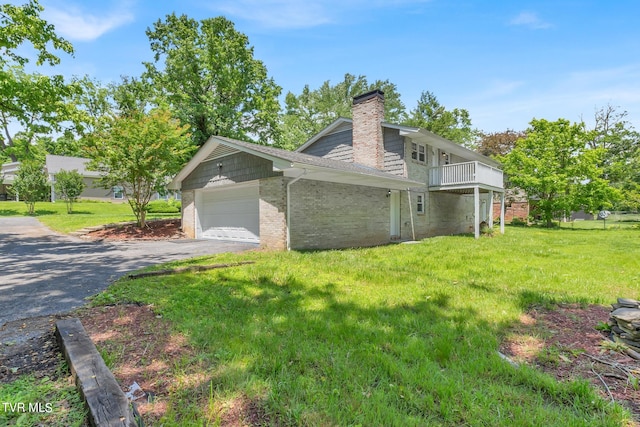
(498,143)
(34,102)
(138,152)
(311,111)
(30,184)
(31,100)
(207,73)
(68,186)
(20,24)
(454,125)
(621,144)
(556,168)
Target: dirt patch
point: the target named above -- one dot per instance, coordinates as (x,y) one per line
(138,347)
(162,229)
(29,346)
(564,343)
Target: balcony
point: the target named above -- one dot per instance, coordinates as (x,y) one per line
(465,176)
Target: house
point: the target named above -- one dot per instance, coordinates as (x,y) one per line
(359,182)
(55,164)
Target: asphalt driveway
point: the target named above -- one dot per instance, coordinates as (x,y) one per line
(44,273)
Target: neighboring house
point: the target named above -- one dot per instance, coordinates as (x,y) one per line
(359,182)
(7,174)
(55,164)
(92,191)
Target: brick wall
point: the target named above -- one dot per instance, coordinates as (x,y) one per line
(368,142)
(273,206)
(189,214)
(515,210)
(328,215)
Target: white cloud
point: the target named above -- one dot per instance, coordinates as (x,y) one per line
(292,14)
(574,96)
(279,13)
(78,25)
(530,20)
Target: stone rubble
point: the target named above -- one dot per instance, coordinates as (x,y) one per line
(625,323)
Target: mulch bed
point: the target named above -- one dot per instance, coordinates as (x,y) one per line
(564,343)
(159,229)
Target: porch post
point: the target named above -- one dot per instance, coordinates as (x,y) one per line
(502,212)
(476,210)
(490,208)
(53,191)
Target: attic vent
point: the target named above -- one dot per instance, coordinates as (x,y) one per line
(221,151)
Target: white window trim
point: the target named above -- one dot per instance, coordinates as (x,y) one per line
(417,150)
(420,204)
(117,189)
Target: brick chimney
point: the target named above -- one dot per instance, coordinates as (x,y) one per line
(368,115)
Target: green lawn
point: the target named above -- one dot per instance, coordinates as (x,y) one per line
(53,402)
(85,214)
(615,221)
(397,335)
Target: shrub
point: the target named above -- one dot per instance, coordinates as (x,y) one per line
(31,185)
(518,222)
(69,185)
(164,206)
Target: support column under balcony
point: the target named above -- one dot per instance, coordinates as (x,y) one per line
(502,212)
(476,211)
(490,209)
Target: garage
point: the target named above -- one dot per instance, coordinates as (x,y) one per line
(230,214)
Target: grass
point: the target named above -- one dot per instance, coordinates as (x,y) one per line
(85,214)
(615,221)
(396,335)
(29,401)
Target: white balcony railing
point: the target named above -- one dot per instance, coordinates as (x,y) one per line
(465,174)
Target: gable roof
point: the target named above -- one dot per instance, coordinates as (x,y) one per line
(415,134)
(294,164)
(55,164)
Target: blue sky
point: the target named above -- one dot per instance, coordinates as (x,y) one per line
(506,62)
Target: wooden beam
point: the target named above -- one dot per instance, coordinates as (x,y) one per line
(107,404)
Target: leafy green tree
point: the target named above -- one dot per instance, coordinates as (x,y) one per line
(21,24)
(32,101)
(208,74)
(311,111)
(30,184)
(68,186)
(556,169)
(621,144)
(139,152)
(454,125)
(498,143)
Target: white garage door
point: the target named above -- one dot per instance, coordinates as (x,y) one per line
(231,214)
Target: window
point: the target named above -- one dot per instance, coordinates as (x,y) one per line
(446,158)
(418,152)
(117,193)
(420,203)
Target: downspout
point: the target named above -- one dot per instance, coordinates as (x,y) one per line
(288,213)
(413,230)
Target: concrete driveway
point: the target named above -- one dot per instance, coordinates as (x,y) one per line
(44,273)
